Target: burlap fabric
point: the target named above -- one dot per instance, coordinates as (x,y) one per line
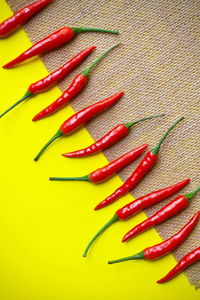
(158,68)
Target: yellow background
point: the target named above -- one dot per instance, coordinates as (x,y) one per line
(44,225)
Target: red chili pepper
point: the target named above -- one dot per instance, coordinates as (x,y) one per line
(168,211)
(144,167)
(109,139)
(110,169)
(165,247)
(21,16)
(184,263)
(81,118)
(146,201)
(75,87)
(52,41)
(139,204)
(54,77)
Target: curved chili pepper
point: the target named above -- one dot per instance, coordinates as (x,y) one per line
(166,212)
(144,167)
(184,263)
(110,169)
(146,201)
(75,87)
(52,41)
(81,118)
(21,16)
(139,204)
(166,246)
(109,139)
(54,77)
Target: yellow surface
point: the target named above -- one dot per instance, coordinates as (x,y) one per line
(44,225)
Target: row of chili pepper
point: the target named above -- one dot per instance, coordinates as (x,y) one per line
(74,88)
(169,210)
(166,212)
(54,40)
(163,214)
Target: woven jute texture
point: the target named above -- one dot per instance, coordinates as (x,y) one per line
(158,67)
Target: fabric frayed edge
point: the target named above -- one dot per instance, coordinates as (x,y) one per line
(197,285)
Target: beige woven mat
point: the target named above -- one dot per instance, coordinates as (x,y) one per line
(158,68)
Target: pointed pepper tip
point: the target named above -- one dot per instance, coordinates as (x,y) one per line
(159,281)
(124,239)
(35,118)
(99,206)
(145,146)
(8,65)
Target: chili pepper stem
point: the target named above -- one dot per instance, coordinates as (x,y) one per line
(88,69)
(139,255)
(87,29)
(27,95)
(114,219)
(188,196)
(56,136)
(83,178)
(156,149)
(129,125)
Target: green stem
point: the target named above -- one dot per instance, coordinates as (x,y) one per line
(28,94)
(56,136)
(156,149)
(129,125)
(139,255)
(86,29)
(188,196)
(114,219)
(83,178)
(88,69)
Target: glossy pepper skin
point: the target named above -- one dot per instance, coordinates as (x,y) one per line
(184,263)
(106,172)
(173,242)
(46,82)
(136,206)
(144,167)
(52,41)
(75,87)
(88,113)
(109,170)
(60,73)
(21,16)
(166,212)
(148,200)
(167,246)
(81,117)
(107,140)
